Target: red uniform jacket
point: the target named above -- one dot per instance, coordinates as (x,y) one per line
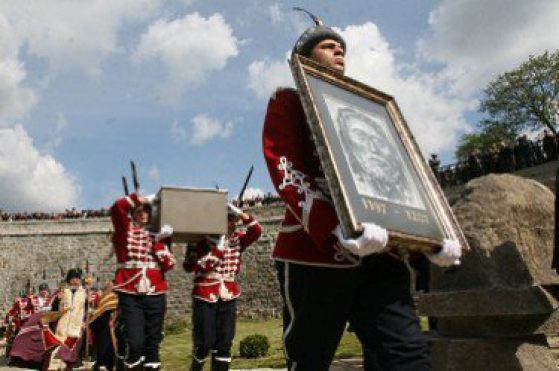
(216,262)
(305,235)
(142,260)
(21,310)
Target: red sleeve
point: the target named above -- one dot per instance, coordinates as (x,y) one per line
(164,256)
(285,139)
(120,210)
(253,232)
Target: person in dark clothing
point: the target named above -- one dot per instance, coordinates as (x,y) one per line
(549,146)
(102,323)
(524,152)
(506,158)
(435,164)
(474,165)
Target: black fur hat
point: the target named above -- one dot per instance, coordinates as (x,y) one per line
(74,273)
(314,35)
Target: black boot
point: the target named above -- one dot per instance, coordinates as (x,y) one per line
(119,364)
(197,365)
(220,365)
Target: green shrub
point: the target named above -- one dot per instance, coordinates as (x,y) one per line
(254,346)
(175,326)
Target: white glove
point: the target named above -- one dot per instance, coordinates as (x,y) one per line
(150,198)
(234,209)
(373,240)
(166,232)
(449,255)
(221,243)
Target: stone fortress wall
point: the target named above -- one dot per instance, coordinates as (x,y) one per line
(29,248)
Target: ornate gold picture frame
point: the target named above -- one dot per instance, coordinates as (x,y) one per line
(373,166)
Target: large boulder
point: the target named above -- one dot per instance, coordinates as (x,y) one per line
(509,224)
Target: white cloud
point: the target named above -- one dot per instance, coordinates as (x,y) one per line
(265,76)
(153,173)
(275,13)
(207,128)
(434,116)
(15,99)
(56,139)
(203,128)
(190,48)
(30,180)
(73,35)
(179,133)
(478,39)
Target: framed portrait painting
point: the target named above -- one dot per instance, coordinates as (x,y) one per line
(373,166)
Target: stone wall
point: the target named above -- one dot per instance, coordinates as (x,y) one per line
(31,249)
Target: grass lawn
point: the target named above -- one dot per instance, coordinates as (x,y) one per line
(176,350)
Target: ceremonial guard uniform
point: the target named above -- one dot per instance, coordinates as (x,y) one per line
(325,279)
(142,260)
(215,263)
(21,310)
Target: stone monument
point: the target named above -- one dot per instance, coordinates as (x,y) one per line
(498,310)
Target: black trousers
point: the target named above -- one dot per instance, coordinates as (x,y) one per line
(141,319)
(104,352)
(214,328)
(374,298)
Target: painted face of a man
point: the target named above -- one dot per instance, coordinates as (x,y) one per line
(370,149)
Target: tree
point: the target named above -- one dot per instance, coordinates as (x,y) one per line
(481,141)
(526,98)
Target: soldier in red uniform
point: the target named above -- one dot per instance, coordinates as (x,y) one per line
(24,306)
(327,280)
(44,298)
(215,262)
(142,260)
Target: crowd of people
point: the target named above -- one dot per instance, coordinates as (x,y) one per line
(499,158)
(258,201)
(53,329)
(72,213)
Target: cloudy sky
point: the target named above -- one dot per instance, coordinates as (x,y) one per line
(181,86)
